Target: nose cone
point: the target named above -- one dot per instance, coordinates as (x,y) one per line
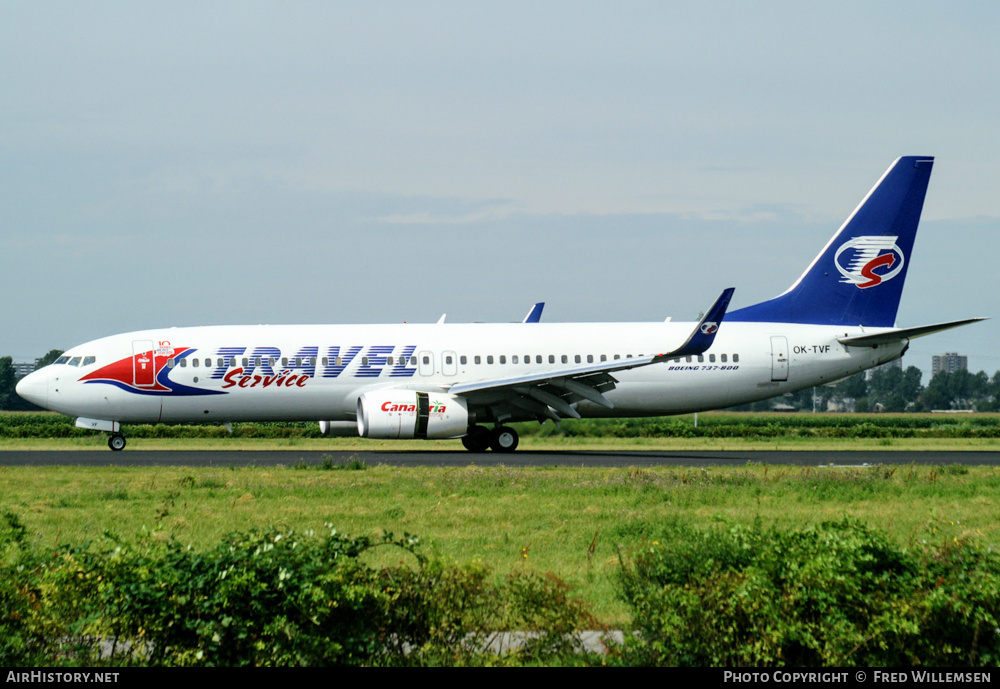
(34,387)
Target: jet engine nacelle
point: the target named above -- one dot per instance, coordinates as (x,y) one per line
(393,414)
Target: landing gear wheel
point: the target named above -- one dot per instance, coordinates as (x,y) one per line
(117,443)
(477,440)
(503,439)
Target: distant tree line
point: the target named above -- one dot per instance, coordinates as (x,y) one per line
(895,390)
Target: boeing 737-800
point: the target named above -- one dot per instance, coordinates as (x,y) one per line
(469,381)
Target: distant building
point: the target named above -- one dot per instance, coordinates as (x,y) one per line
(950,362)
(21,369)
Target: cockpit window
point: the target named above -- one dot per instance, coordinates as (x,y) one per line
(62,360)
(88,360)
(75,361)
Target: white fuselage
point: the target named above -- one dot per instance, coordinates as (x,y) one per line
(317,372)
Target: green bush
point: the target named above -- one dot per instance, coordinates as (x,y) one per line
(22,639)
(270,598)
(836,594)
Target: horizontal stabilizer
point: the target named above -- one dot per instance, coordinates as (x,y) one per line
(902,334)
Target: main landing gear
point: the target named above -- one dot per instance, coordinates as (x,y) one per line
(116,442)
(500,439)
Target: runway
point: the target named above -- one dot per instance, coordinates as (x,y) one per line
(270,458)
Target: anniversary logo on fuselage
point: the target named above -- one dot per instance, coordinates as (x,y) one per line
(147,373)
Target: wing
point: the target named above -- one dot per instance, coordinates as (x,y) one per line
(551,394)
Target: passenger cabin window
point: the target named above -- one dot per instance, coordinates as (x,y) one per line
(590,358)
(478,359)
(552,358)
(538,359)
(463,360)
(736,357)
(489,358)
(503,358)
(604,357)
(711,358)
(425,359)
(701,358)
(564,359)
(513,359)
(576,359)
(723,358)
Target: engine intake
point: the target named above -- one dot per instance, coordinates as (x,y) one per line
(395,414)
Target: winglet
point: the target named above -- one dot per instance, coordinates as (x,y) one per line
(704,333)
(535,314)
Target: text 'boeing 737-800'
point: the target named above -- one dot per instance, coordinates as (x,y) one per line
(469,381)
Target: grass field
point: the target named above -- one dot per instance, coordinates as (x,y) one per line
(573,522)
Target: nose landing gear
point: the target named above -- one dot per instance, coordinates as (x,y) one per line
(116,442)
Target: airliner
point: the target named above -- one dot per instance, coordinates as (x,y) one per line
(470,381)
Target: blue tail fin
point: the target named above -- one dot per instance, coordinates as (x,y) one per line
(857,279)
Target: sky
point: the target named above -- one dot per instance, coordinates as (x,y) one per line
(191,163)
